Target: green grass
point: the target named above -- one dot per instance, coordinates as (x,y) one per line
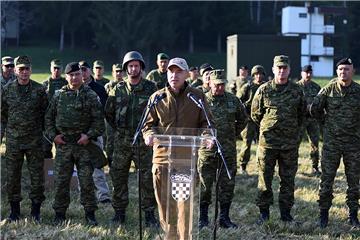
(243,211)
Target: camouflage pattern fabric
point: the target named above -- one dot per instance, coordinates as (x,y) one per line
(103,81)
(230,118)
(52,85)
(4,82)
(22,109)
(159,78)
(198,82)
(236,84)
(340,107)
(123,111)
(71,113)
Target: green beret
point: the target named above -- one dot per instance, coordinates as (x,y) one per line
(281,60)
(56,63)
(344,61)
(218,76)
(98,63)
(72,67)
(7,60)
(162,56)
(22,61)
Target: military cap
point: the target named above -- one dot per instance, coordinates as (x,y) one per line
(56,63)
(162,56)
(22,61)
(117,66)
(281,60)
(7,60)
(72,67)
(98,63)
(193,68)
(344,61)
(258,69)
(244,67)
(205,67)
(179,62)
(83,63)
(217,76)
(307,68)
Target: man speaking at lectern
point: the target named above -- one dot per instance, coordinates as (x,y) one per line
(176,110)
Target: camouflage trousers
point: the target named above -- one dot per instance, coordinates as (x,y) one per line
(123,155)
(66,156)
(330,161)
(288,163)
(248,135)
(109,146)
(35,163)
(207,168)
(311,127)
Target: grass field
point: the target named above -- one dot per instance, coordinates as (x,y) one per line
(243,211)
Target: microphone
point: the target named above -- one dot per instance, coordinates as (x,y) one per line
(159,97)
(194,99)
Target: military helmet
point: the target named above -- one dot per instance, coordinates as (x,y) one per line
(258,69)
(131,56)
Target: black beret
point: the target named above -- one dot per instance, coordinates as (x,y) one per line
(84,64)
(205,67)
(72,67)
(307,68)
(344,61)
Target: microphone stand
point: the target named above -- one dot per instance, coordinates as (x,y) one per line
(218,170)
(136,139)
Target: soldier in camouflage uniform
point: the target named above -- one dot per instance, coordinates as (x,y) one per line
(74,119)
(339,104)
(118,74)
(230,118)
(194,80)
(237,83)
(23,107)
(246,95)
(159,75)
(277,108)
(123,111)
(310,125)
(204,72)
(52,84)
(7,76)
(98,70)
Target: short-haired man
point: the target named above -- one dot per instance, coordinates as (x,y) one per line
(278,108)
(159,75)
(73,119)
(339,104)
(310,125)
(172,112)
(23,105)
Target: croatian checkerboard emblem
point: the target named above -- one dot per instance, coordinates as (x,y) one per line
(180,187)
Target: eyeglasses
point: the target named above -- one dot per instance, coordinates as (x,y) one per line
(10,66)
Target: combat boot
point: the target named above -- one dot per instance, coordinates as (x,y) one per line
(203,219)
(35,211)
(285,215)
(264,216)
(353,219)
(59,218)
(150,219)
(224,220)
(119,217)
(90,218)
(324,218)
(15,211)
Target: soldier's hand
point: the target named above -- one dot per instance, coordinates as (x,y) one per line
(84,139)
(149,140)
(58,139)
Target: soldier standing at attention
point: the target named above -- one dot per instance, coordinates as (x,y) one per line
(194,79)
(159,75)
(23,105)
(277,108)
(241,80)
(230,118)
(250,133)
(339,103)
(118,75)
(74,118)
(98,69)
(52,84)
(123,111)
(204,72)
(310,125)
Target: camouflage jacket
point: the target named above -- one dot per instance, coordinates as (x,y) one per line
(278,110)
(4,81)
(236,84)
(340,107)
(230,118)
(159,78)
(23,109)
(110,85)
(246,94)
(102,81)
(126,103)
(195,83)
(52,85)
(72,112)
